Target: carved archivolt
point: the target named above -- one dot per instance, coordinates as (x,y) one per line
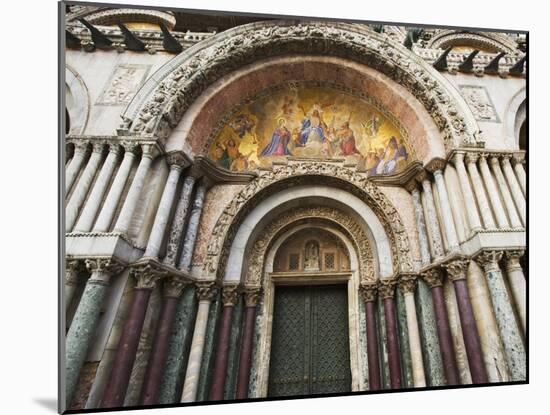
(494,42)
(165,104)
(348,225)
(296,173)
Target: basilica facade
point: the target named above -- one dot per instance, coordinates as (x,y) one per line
(263,207)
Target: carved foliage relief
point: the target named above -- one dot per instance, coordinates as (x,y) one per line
(480,102)
(123,84)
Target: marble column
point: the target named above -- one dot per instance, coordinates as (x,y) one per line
(516,279)
(146,278)
(407,284)
(177,161)
(498,209)
(456,271)
(436,166)
(88,215)
(229,297)
(420,224)
(518,160)
(433,223)
(386,290)
(434,279)
(176,230)
(504,313)
(173,288)
(108,210)
(251,298)
(369,293)
(205,294)
(72,280)
(469,200)
(81,190)
(75,164)
(515,188)
(515,221)
(479,189)
(192,229)
(86,318)
(129,206)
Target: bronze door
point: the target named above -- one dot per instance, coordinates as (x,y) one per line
(310,341)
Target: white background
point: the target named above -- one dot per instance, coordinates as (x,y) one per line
(28,217)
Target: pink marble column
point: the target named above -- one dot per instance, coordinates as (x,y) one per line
(369,292)
(386,290)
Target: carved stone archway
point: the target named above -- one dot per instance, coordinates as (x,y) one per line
(159,105)
(493,42)
(294,173)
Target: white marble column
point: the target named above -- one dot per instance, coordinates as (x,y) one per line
(420,224)
(177,162)
(515,222)
(517,161)
(81,190)
(469,200)
(123,222)
(75,164)
(516,279)
(87,217)
(192,229)
(492,190)
(433,222)
(205,294)
(108,210)
(436,166)
(504,313)
(515,188)
(479,189)
(407,284)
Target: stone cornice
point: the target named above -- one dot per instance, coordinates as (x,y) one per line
(137,140)
(216,174)
(479,151)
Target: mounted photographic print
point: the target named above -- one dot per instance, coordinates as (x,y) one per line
(263,206)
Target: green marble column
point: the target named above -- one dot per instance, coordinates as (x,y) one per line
(384,366)
(507,324)
(208,356)
(86,318)
(404,346)
(233,354)
(428,335)
(180,343)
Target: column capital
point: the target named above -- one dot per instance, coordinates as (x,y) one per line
(433,277)
(457,269)
(368,291)
(436,164)
(147,274)
(174,286)
(177,160)
(129,146)
(518,158)
(458,157)
(483,157)
(81,146)
(149,150)
(489,260)
(102,268)
(72,269)
(506,157)
(494,159)
(98,146)
(412,186)
(206,290)
(471,157)
(230,295)
(407,283)
(252,296)
(114,148)
(422,176)
(386,287)
(512,259)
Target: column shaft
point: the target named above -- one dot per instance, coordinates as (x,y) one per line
(393,343)
(469,200)
(421,228)
(446,213)
(498,209)
(520,173)
(89,212)
(123,222)
(192,229)
(246,352)
(82,187)
(517,282)
(369,293)
(479,189)
(75,165)
(220,365)
(515,188)
(433,223)
(107,212)
(419,377)
(505,192)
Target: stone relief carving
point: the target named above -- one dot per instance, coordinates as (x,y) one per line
(123,83)
(173,96)
(347,224)
(480,102)
(295,173)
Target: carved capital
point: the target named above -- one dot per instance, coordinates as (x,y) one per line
(206,290)
(98,146)
(512,259)
(489,260)
(518,158)
(368,291)
(472,157)
(483,158)
(457,269)
(73,267)
(494,160)
(458,157)
(146,276)
(174,286)
(177,159)
(407,283)
(80,146)
(433,277)
(129,146)
(411,186)
(421,176)
(103,268)
(252,296)
(436,164)
(114,148)
(386,287)
(230,295)
(149,150)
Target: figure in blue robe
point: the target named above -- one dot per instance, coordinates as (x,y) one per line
(279,142)
(312,127)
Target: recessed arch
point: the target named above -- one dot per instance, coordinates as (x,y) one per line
(486,41)
(77,101)
(514,117)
